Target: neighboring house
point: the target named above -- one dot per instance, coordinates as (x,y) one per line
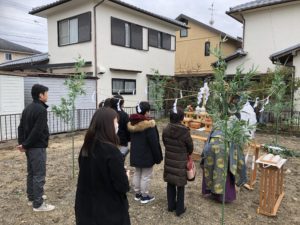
(120,43)
(290,57)
(270,26)
(193,45)
(12,51)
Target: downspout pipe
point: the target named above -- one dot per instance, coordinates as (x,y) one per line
(95,46)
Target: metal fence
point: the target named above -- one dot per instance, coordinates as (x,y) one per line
(287,122)
(9,123)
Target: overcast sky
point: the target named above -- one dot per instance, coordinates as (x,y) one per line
(18,26)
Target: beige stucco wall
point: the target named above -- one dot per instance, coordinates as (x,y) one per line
(296,63)
(112,56)
(68,53)
(14,56)
(266,32)
(190,58)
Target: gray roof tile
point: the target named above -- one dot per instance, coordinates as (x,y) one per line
(174,22)
(13,47)
(256,4)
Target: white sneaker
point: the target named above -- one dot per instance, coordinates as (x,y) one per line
(29,203)
(44,208)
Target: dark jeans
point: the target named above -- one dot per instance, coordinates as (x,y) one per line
(173,203)
(36,169)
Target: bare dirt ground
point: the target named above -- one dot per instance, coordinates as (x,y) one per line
(60,189)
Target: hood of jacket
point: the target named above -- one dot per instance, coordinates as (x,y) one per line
(140,126)
(175,130)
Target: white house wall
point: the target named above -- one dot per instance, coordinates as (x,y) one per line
(266,32)
(11,94)
(11,105)
(296,63)
(68,53)
(57,90)
(112,56)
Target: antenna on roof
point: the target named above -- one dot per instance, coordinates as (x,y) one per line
(211,21)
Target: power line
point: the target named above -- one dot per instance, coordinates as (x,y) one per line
(20,20)
(34,43)
(13,35)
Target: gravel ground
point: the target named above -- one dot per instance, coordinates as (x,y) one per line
(60,189)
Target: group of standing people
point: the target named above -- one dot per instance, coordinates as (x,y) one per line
(103,182)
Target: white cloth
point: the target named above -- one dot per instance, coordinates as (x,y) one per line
(248,114)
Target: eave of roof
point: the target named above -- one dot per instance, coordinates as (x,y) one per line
(118,2)
(47,6)
(283,55)
(253,5)
(31,60)
(223,34)
(237,54)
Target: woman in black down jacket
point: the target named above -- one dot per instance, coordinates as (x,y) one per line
(145,151)
(178,144)
(102,181)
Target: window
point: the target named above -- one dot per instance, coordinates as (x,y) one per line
(123,86)
(184,31)
(207,49)
(159,39)
(126,34)
(74,30)
(8,56)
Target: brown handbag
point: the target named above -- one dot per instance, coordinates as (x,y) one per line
(190,169)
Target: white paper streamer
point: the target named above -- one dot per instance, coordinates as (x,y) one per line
(181,96)
(256,102)
(119,108)
(139,108)
(175,106)
(267,101)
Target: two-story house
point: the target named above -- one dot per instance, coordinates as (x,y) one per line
(121,44)
(12,51)
(269,27)
(194,45)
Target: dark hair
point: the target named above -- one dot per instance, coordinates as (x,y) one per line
(176,117)
(114,101)
(38,89)
(144,106)
(101,129)
(105,103)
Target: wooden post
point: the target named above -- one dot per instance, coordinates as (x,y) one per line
(254,149)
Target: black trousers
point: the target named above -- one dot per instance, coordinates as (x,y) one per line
(175,197)
(36,169)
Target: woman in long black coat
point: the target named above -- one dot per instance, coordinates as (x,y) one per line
(178,145)
(102,181)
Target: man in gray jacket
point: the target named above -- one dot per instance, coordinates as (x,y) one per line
(33,136)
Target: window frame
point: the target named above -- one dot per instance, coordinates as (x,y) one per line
(207,48)
(78,29)
(186,30)
(8,54)
(127,43)
(160,40)
(124,81)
